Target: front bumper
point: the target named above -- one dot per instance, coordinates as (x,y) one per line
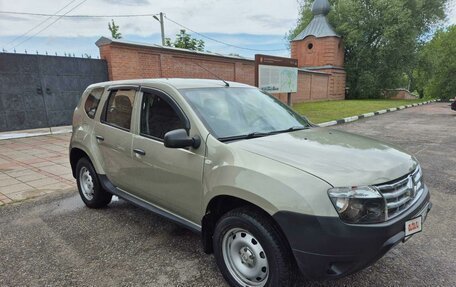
(326,247)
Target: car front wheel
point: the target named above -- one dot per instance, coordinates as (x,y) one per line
(89,186)
(250,251)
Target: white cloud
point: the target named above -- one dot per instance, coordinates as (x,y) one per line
(452,12)
(233,21)
(128,2)
(223,16)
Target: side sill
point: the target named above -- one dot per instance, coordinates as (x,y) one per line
(107,185)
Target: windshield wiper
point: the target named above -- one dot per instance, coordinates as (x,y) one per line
(261,134)
(242,137)
(291,129)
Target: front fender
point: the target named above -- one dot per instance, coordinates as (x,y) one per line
(266,192)
(266,183)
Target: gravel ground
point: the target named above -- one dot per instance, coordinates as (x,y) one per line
(56,241)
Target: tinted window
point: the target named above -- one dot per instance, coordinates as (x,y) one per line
(119,108)
(92,101)
(158,117)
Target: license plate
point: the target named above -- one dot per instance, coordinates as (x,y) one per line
(413,226)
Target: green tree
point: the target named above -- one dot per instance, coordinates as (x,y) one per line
(436,69)
(185,41)
(381,39)
(115,34)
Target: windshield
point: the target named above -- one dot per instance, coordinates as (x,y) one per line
(231,113)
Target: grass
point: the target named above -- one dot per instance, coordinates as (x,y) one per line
(319,112)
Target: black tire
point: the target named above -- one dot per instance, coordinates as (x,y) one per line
(100,197)
(282,267)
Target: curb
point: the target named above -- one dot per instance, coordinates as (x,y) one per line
(371,114)
(35,132)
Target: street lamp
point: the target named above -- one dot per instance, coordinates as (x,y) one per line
(162,26)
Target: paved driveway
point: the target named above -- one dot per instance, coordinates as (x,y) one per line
(34,166)
(56,241)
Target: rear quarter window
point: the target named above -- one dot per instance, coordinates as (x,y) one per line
(92,101)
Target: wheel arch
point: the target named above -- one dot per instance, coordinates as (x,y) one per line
(220,205)
(76,153)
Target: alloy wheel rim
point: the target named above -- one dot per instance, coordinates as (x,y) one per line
(86,183)
(245,258)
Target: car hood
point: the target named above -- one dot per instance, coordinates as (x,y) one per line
(339,158)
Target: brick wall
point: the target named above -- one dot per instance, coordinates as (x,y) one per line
(336,85)
(312,86)
(314,52)
(325,55)
(399,94)
(133,61)
(136,61)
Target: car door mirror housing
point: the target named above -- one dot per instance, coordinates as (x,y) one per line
(180,139)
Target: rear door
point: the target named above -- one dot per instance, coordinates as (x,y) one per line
(168,177)
(114,135)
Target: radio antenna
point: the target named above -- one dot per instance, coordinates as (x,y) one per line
(212,73)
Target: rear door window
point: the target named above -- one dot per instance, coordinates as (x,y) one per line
(92,101)
(119,108)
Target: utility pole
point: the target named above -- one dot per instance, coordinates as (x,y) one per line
(162,27)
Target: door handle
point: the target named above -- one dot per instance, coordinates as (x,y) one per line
(139,151)
(100,138)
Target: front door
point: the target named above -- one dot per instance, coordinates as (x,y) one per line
(169,178)
(114,136)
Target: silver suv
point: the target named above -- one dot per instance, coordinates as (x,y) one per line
(269,192)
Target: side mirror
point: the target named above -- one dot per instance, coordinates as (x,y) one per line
(180,139)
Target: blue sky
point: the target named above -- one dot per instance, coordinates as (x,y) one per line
(254,24)
(86,45)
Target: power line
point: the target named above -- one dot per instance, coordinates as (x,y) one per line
(221,42)
(50,24)
(133,15)
(39,24)
(78,16)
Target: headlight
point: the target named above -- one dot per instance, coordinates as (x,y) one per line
(358,204)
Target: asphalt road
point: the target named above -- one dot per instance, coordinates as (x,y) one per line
(56,241)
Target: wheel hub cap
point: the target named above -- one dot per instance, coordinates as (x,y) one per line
(245,258)
(86,183)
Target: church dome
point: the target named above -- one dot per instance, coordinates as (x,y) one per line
(321,7)
(319,26)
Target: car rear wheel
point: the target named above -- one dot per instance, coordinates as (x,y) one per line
(89,186)
(250,251)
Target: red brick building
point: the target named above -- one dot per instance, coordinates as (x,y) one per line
(318,48)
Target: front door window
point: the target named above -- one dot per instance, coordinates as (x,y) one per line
(158,117)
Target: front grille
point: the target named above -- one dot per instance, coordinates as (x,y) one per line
(402,193)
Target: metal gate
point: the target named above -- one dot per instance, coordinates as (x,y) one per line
(42,91)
